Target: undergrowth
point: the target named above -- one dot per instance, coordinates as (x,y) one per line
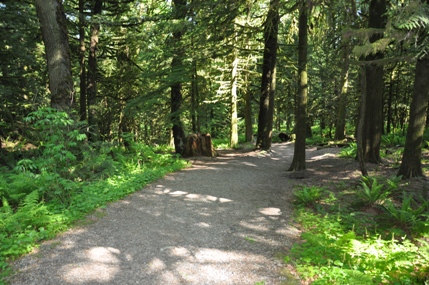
(376,233)
(47,189)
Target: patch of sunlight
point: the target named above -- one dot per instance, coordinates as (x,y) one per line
(103,254)
(249,164)
(178,193)
(102,266)
(180,252)
(270,211)
(93,272)
(211,255)
(211,198)
(326,155)
(224,200)
(155,265)
(255,227)
(203,225)
(194,196)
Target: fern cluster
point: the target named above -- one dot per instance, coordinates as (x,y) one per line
(383,241)
(65,178)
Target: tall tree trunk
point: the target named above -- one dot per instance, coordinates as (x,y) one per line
(53,25)
(234,117)
(298,162)
(266,104)
(373,120)
(194,99)
(179,13)
(340,125)
(82,63)
(390,100)
(361,121)
(94,133)
(248,115)
(411,159)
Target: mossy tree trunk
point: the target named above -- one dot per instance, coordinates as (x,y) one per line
(373,120)
(411,159)
(298,162)
(268,82)
(53,25)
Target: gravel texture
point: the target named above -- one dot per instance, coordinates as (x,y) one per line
(225,220)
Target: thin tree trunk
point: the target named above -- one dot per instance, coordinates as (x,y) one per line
(94,133)
(266,105)
(82,63)
(234,116)
(176,99)
(340,125)
(298,162)
(361,121)
(248,115)
(194,99)
(53,25)
(390,101)
(411,159)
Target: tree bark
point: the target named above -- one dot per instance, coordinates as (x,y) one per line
(234,116)
(298,162)
(82,62)
(195,99)
(359,130)
(373,120)
(248,115)
(340,125)
(268,83)
(94,133)
(53,25)
(176,98)
(411,159)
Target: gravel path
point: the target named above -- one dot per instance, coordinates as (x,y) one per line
(224,220)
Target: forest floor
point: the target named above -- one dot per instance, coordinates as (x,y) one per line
(224,220)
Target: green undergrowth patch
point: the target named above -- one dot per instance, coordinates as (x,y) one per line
(45,191)
(373,233)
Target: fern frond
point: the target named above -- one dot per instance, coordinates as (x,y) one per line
(32,199)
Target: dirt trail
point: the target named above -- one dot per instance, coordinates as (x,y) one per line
(224,220)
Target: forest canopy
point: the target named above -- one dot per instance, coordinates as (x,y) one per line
(155,71)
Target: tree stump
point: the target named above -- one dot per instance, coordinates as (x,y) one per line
(199,144)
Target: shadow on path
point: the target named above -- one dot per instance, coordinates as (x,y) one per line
(222,221)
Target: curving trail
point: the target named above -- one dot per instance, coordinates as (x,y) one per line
(222,221)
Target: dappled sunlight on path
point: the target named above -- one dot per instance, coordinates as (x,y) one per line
(225,220)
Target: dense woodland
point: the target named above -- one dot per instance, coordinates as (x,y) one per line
(155,71)
(96,78)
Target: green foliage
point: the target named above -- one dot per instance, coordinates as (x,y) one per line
(66,179)
(393,140)
(350,151)
(308,195)
(335,252)
(408,213)
(58,138)
(372,192)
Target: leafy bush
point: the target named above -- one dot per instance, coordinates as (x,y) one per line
(350,151)
(59,140)
(393,140)
(408,213)
(308,195)
(372,192)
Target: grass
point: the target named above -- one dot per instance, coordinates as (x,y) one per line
(382,240)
